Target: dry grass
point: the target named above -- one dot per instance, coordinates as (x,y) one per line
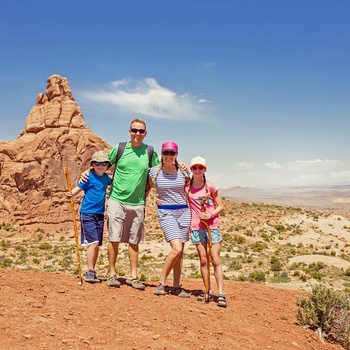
(283,246)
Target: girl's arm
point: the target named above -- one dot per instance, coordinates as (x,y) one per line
(219,207)
(218,203)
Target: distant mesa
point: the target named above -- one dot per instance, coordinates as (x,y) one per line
(55,136)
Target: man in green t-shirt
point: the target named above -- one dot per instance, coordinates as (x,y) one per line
(126,204)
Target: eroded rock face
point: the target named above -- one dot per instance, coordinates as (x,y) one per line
(32,180)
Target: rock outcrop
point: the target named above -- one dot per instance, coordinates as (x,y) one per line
(32,180)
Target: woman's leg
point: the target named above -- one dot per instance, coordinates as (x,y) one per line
(174,256)
(178,268)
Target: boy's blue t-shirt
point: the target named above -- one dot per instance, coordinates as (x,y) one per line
(95,193)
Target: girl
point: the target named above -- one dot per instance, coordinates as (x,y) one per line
(206,204)
(173,213)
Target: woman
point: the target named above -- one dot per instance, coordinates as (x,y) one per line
(173,213)
(206,204)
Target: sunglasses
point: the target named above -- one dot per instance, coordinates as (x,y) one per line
(168,153)
(199,167)
(141,131)
(101,163)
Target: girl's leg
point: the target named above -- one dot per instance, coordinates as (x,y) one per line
(91,255)
(215,259)
(172,258)
(202,253)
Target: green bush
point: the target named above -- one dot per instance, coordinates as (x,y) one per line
(257,276)
(275,263)
(281,277)
(327,310)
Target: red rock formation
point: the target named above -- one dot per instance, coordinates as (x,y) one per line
(32,180)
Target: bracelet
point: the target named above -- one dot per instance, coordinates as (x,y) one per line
(212,216)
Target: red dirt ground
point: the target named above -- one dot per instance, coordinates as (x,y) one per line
(41,310)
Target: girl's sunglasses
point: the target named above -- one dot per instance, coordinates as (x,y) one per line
(101,163)
(168,153)
(199,167)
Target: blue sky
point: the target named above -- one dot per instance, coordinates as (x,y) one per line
(261,89)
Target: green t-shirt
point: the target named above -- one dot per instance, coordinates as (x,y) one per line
(130,178)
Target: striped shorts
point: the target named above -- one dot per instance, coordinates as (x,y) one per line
(175,223)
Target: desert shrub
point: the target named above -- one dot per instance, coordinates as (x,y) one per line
(235,265)
(275,263)
(257,276)
(258,247)
(347,272)
(239,239)
(327,310)
(281,277)
(45,246)
(280,228)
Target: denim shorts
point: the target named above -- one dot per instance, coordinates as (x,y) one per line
(201,236)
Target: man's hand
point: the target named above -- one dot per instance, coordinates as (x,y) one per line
(84,176)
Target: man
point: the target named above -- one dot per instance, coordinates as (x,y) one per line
(126,204)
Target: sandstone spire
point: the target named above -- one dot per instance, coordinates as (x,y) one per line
(32,181)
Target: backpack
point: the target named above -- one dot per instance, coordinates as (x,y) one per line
(121,147)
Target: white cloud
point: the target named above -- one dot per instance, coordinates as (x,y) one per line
(148,98)
(273,165)
(245,165)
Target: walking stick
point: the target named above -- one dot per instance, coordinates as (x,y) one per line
(75,226)
(209,245)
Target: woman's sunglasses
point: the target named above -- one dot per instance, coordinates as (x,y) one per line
(101,163)
(199,167)
(135,131)
(168,153)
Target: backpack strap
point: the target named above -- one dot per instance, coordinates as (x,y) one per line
(150,151)
(121,147)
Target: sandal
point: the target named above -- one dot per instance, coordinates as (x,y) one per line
(221,301)
(200,297)
(178,291)
(112,281)
(135,283)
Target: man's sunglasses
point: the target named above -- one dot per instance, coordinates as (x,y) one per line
(199,167)
(168,153)
(101,163)
(141,131)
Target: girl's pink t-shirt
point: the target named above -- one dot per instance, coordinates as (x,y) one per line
(195,196)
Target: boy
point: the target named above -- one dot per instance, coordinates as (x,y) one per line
(92,210)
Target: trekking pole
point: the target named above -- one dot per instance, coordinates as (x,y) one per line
(75,226)
(206,298)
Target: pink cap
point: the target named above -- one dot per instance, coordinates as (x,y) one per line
(170,146)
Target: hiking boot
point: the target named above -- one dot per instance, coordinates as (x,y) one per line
(90,276)
(112,281)
(135,283)
(178,291)
(159,290)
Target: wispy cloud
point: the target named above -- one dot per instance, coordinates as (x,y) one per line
(245,165)
(273,165)
(292,173)
(148,98)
